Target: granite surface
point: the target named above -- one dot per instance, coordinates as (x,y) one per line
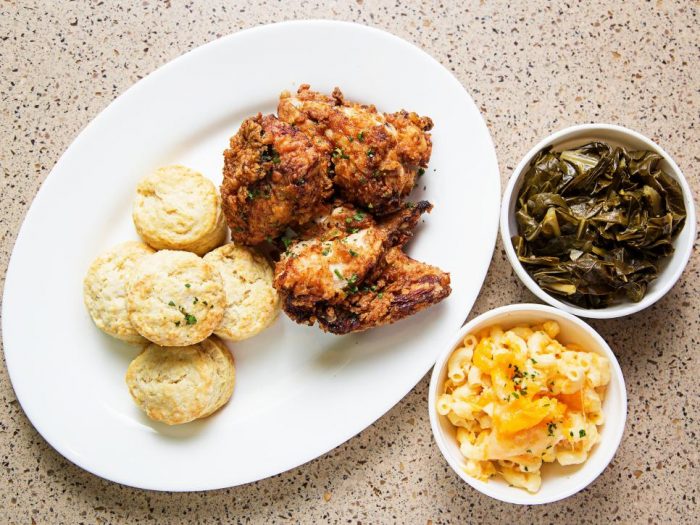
(532,68)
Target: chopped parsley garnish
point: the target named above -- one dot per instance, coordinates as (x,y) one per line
(361,136)
(351,281)
(195,300)
(533,361)
(358,216)
(286,241)
(326,251)
(353,253)
(581,433)
(550,429)
(380,295)
(338,152)
(571,433)
(177,323)
(354,230)
(421,172)
(187,285)
(348,219)
(525,468)
(189,318)
(171,303)
(275,157)
(515,395)
(370,153)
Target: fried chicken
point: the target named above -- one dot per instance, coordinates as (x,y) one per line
(373,158)
(348,273)
(273,178)
(326,183)
(402,288)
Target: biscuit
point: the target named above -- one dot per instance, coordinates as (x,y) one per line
(252,302)
(105,289)
(224,378)
(178,384)
(177,208)
(175,298)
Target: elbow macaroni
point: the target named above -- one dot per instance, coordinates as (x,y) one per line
(520,398)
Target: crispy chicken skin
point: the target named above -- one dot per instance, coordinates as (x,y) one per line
(402,288)
(335,252)
(335,220)
(315,270)
(348,273)
(374,158)
(273,178)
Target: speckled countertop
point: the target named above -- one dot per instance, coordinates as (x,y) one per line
(532,68)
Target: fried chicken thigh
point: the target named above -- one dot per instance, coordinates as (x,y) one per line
(273,178)
(374,158)
(348,272)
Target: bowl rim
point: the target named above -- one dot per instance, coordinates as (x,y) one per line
(609,445)
(665,281)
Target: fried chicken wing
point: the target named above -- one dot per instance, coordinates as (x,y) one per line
(347,272)
(273,178)
(374,158)
(335,252)
(403,288)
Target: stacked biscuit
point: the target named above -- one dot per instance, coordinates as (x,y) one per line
(176,303)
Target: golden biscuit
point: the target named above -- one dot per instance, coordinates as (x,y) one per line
(104,289)
(175,298)
(178,384)
(177,208)
(225,376)
(252,302)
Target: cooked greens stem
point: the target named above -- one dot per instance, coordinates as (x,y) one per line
(584,162)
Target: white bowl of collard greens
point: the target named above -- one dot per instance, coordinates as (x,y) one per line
(598,220)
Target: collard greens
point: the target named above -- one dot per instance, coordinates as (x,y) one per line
(594,222)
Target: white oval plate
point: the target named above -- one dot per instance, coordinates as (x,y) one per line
(299,392)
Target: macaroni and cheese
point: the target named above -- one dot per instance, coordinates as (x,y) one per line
(520,398)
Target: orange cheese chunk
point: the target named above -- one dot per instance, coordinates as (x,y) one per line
(483,356)
(523,413)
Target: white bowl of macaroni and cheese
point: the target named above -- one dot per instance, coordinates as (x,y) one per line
(528,404)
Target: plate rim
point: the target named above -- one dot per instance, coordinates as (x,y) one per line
(50,180)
